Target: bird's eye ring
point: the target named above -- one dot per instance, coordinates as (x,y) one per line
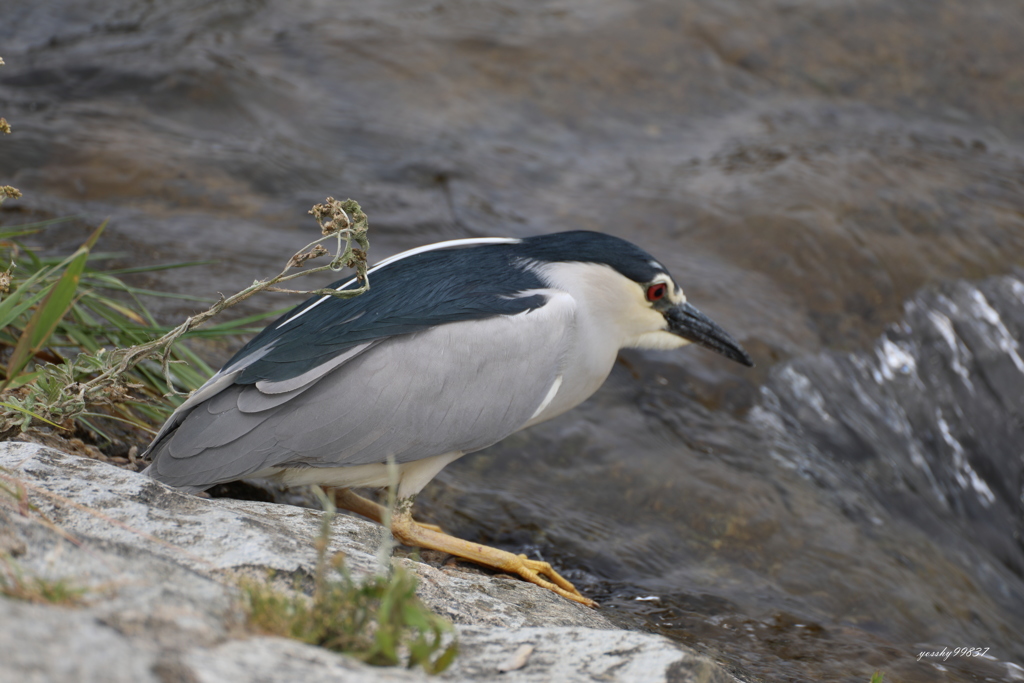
(656,291)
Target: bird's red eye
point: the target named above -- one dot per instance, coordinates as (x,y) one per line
(655,292)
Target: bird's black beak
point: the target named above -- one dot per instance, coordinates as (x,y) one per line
(689,323)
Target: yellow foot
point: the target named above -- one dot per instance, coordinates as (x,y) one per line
(532,570)
(409,532)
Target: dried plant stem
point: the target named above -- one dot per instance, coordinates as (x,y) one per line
(344,222)
(345,229)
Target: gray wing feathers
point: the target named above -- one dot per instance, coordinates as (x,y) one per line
(455,387)
(221,380)
(257,401)
(310,376)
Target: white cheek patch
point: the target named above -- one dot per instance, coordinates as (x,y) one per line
(660,340)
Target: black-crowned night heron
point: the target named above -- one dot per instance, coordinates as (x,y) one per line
(455,346)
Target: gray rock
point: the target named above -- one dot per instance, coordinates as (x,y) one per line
(471,599)
(571,655)
(41,643)
(160,569)
(268,660)
(204,535)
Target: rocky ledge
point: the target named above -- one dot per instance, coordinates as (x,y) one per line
(161,567)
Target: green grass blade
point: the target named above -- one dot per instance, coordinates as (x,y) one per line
(12,300)
(13,306)
(96,430)
(153,269)
(81,338)
(133,423)
(26,411)
(23,379)
(49,314)
(97,303)
(39,225)
(32,228)
(17,232)
(256,317)
(100,282)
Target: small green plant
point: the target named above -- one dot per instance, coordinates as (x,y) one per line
(76,348)
(58,314)
(14,584)
(877,677)
(378,620)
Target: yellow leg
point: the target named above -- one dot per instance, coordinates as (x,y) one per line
(353,502)
(409,532)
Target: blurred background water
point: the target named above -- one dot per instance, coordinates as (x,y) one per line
(840,183)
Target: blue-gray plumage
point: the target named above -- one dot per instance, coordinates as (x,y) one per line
(454,347)
(431,288)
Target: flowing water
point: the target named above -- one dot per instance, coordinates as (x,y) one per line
(840,183)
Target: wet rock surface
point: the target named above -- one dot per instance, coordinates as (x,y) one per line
(160,568)
(804,168)
(863,419)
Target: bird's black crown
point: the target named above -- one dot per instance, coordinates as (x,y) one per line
(593,247)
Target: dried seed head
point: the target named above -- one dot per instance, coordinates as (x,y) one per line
(315,252)
(331,216)
(358,256)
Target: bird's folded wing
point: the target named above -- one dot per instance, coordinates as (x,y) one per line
(453,387)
